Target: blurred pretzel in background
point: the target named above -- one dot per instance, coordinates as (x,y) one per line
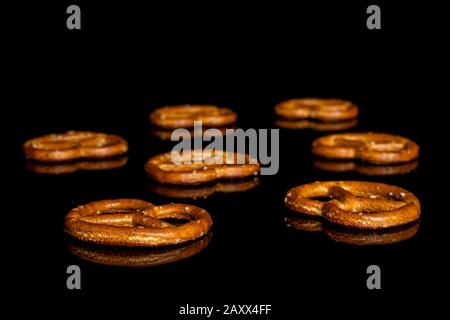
(200,166)
(74,145)
(326,110)
(355,204)
(136,223)
(316,125)
(183,116)
(375,148)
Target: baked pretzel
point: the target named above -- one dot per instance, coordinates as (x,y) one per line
(74,145)
(370,170)
(183,116)
(355,204)
(73,166)
(360,238)
(202,191)
(138,257)
(136,223)
(200,166)
(316,125)
(319,109)
(376,148)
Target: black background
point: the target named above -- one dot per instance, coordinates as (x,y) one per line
(131,58)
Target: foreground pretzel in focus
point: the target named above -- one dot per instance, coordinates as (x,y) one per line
(136,223)
(200,166)
(355,204)
(376,148)
(74,145)
(319,109)
(183,116)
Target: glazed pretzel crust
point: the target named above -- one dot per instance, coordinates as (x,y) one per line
(359,237)
(371,147)
(211,167)
(74,145)
(136,223)
(318,109)
(183,116)
(355,204)
(138,257)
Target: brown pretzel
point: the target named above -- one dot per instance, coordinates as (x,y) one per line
(353,237)
(138,257)
(370,170)
(74,145)
(355,204)
(73,166)
(316,125)
(183,116)
(202,191)
(376,148)
(319,109)
(136,223)
(210,166)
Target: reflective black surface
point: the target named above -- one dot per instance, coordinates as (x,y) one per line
(109,78)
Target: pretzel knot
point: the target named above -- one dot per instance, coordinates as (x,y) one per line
(200,166)
(172,117)
(136,223)
(319,109)
(74,145)
(355,204)
(376,148)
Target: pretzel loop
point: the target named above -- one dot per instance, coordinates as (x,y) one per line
(136,223)
(355,204)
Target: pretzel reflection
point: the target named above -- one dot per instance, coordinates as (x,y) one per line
(365,169)
(137,257)
(73,166)
(353,237)
(203,191)
(316,125)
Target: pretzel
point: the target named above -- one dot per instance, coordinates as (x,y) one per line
(165,134)
(355,204)
(199,166)
(74,145)
(370,170)
(319,109)
(202,191)
(73,166)
(136,223)
(138,257)
(376,148)
(360,238)
(183,116)
(316,125)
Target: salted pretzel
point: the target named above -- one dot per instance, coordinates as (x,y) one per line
(183,116)
(355,237)
(316,125)
(355,204)
(73,166)
(74,145)
(371,147)
(370,170)
(203,191)
(138,257)
(200,166)
(319,109)
(136,223)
